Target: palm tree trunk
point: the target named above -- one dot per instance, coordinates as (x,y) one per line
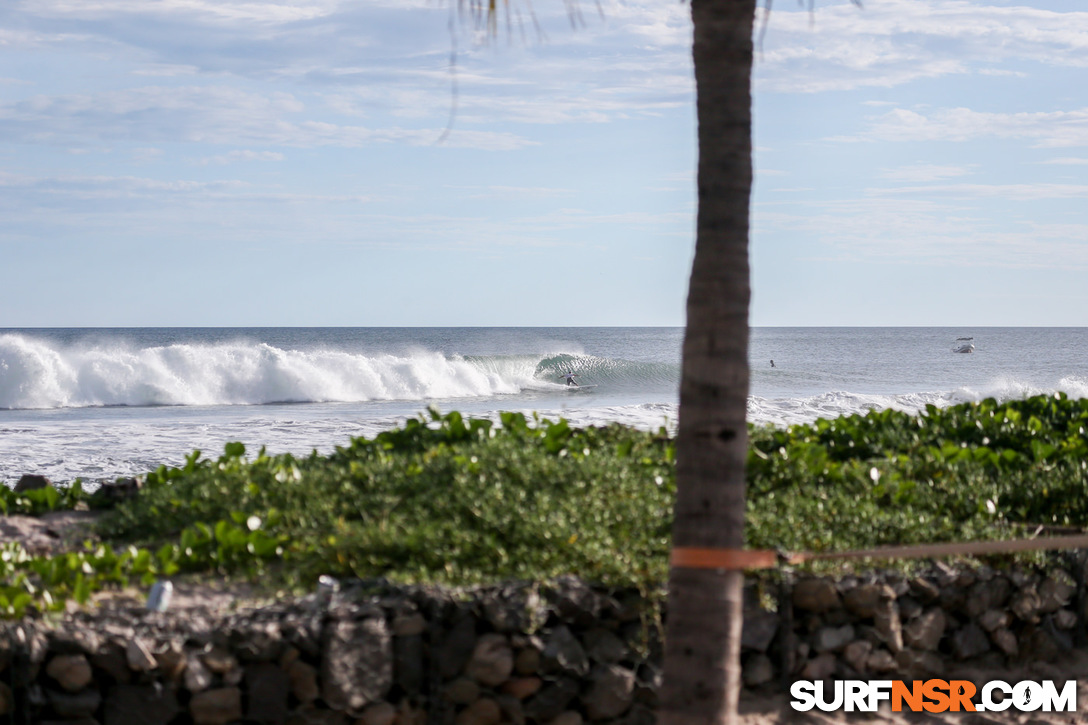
(702,649)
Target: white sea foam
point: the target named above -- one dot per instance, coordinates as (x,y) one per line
(104,403)
(36,375)
(794,411)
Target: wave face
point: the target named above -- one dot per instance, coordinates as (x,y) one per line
(41,374)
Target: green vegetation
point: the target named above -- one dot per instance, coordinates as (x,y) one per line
(455,501)
(969,472)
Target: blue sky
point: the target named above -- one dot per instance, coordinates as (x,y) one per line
(253,162)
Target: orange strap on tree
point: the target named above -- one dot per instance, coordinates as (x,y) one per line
(734,559)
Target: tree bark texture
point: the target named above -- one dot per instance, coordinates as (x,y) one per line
(702,649)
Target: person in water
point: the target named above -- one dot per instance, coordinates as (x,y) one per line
(570,378)
(772,363)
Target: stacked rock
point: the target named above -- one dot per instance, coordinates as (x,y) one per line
(514,654)
(891,626)
(563,654)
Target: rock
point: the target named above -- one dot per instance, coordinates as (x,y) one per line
(197,676)
(267,689)
(527,661)
(994,619)
(909,607)
(513,712)
(575,601)
(864,600)
(453,653)
(378,713)
(522,687)
(563,653)
(290,654)
(759,630)
(887,624)
(856,653)
(925,632)
(409,625)
(801,653)
(568,717)
(601,645)
(1005,641)
(304,633)
(925,590)
(953,597)
(110,494)
(969,641)
(462,691)
(916,663)
(111,659)
(758,670)
(138,656)
(310,716)
(987,595)
(31,482)
(1065,619)
(257,642)
(815,595)
(72,672)
(220,660)
(1025,605)
(484,711)
(140,705)
(492,660)
(1054,594)
(819,667)
(170,658)
(1021,579)
(898,584)
(70,705)
(513,608)
(77,641)
(357,668)
(880,661)
(611,691)
(303,679)
(552,699)
(216,707)
(408,715)
(832,639)
(1037,644)
(409,670)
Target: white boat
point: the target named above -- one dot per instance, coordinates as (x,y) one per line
(964,344)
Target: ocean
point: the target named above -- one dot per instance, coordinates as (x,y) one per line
(102,403)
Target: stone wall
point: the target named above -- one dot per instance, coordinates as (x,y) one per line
(561,655)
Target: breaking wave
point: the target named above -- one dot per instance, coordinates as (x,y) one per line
(37,374)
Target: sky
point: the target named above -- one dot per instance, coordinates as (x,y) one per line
(323,162)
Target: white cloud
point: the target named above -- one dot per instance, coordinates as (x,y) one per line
(1067,161)
(899,230)
(215,115)
(234,11)
(892,42)
(241,156)
(1010,192)
(924,172)
(512,192)
(1048,129)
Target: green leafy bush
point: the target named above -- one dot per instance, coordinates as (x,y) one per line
(451,500)
(445,499)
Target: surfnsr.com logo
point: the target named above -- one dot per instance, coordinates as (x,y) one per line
(934,696)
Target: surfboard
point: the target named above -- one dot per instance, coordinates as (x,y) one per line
(576,388)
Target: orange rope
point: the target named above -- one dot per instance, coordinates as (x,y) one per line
(732,559)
